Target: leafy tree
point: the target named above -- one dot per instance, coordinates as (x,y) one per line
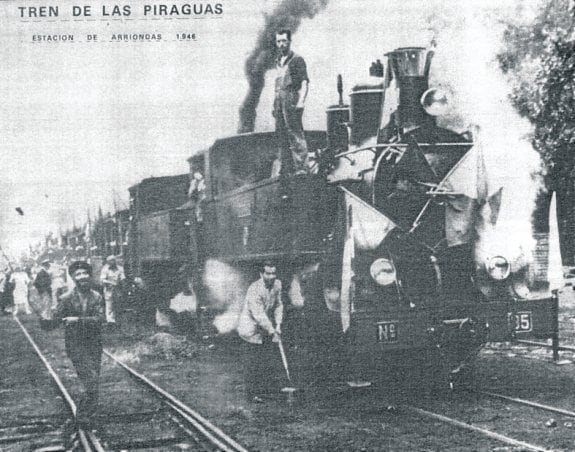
(539,58)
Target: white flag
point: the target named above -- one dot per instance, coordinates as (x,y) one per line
(470,192)
(366,227)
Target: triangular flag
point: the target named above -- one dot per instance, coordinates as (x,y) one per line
(366,228)
(469,192)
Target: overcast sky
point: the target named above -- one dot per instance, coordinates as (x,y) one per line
(81,122)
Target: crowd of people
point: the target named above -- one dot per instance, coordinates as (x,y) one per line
(23,288)
(38,287)
(70,295)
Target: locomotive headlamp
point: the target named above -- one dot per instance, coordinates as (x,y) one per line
(436,101)
(498,268)
(383,272)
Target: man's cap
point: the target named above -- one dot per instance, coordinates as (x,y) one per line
(77,265)
(111,257)
(45,261)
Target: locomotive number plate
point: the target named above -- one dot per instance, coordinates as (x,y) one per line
(523,322)
(387,332)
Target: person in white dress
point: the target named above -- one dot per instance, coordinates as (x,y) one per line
(21,280)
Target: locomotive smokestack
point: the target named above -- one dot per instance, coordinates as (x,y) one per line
(287,15)
(410,66)
(340,89)
(337,120)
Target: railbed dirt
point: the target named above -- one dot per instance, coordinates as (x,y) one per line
(207,375)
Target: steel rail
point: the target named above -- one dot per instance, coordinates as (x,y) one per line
(216,436)
(88,440)
(94,441)
(193,429)
(564,348)
(530,403)
(473,428)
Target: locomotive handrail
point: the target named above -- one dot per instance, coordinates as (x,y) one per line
(399,145)
(244,188)
(437,189)
(443,193)
(367,148)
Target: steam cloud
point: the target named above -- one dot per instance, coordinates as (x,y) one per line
(483,94)
(288,14)
(227,289)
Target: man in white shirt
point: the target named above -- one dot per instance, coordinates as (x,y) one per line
(111,277)
(259,323)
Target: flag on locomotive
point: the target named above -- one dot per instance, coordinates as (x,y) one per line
(366,228)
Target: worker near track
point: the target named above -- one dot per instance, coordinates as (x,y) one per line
(82,312)
(111,278)
(5,291)
(43,285)
(291,88)
(259,325)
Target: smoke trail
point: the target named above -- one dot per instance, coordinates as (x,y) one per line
(288,14)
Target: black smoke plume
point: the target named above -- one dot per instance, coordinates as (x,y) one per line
(287,15)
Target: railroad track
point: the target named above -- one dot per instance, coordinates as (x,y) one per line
(200,434)
(472,428)
(561,348)
(221,442)
(530,403)
(83,440)
(203,433)
(169,424)
(523,445)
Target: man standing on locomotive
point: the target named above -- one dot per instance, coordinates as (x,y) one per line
(259,325)
(82,312)
(291,88)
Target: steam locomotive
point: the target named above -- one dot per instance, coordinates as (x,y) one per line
(382,239)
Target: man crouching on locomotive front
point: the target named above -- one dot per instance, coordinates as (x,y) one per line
(82,312)
(260,324)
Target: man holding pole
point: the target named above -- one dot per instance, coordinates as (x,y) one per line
(260,325)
